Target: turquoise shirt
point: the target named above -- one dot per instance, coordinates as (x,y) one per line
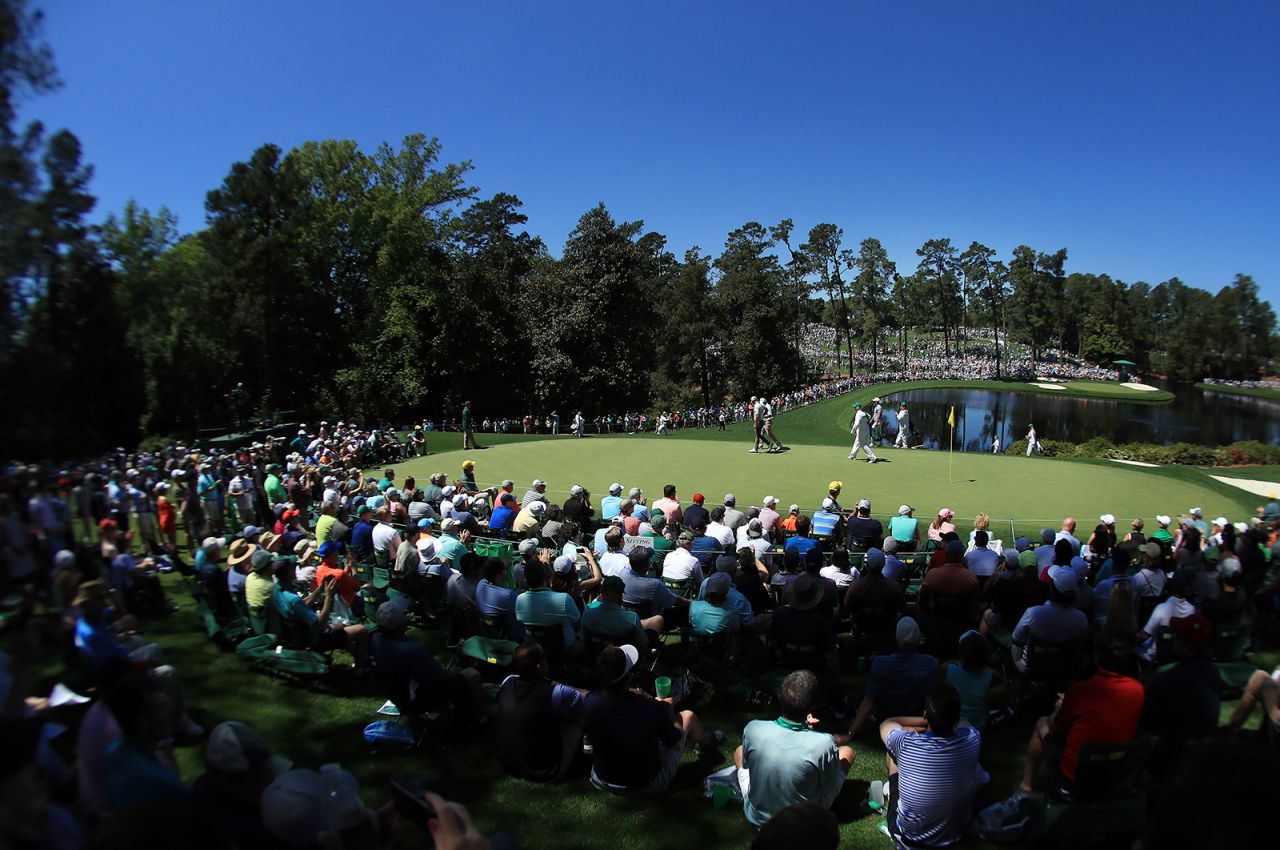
(788,763)
(135,777)
(608,619)
(708,619)
(450,550)
(904,529)
(543,607)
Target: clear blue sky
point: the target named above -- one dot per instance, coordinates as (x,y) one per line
(1142,136)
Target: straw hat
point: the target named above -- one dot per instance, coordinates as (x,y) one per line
(241,551)
(269,541)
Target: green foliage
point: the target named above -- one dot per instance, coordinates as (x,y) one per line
(1184,454)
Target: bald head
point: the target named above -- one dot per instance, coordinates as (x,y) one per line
(1069,525)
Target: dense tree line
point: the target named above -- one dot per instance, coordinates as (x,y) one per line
(382,284)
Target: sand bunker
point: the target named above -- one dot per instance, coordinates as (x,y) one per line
(1141,387)
(1260,488)
(1134,462)
(1048,386)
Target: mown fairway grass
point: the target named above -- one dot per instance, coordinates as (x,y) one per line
(1256,392)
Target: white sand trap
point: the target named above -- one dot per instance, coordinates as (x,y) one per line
(1134,462)
(1048,386)
(1260,488)
(1141,387)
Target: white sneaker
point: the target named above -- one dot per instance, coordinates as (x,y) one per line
(752,451)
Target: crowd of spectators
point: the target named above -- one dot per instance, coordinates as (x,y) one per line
(1128,626)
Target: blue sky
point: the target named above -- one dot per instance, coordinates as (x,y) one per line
(1142,136)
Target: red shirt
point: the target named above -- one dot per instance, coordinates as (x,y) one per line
(1102,709)
(631,525)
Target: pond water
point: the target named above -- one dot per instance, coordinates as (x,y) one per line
(1194,416)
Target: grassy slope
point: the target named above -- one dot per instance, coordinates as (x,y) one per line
(1256,392)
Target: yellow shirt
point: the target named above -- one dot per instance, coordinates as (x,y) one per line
(257,590)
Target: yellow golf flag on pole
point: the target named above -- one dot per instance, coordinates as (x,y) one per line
(951,446)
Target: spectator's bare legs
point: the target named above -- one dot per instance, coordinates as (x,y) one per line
(1262,688)
(1035,754)
(654,624)
(692,727)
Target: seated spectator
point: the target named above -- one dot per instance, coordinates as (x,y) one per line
(386,540)
(1105,708)
(258,584)
(495,599)
(799,825)
(872,589)
(606,617)
(802,623)
(139,767)
(637,740)
(897,684)
(1010,593)
(577,508)
(813,566)
(539,721)
(564,577)
(344,576)
(751,535)
(669,505)
(696,515)
(322,633)
(1263,689)
(972,679)
(1232,603)
(751,622)
(1177,605)
(895,569)
(414,679)
(614,560)
(239,765)
(1056,621)
(933,773)
(29,818)
(864,531)
(786,761)
(1120,561)
(791,566)
(460,592)
(705,548)
(750,579)
(905,529)
(644,589)
(769,515)
(630,521)
(528,521)
(801,541)
(826,522)
(980,560)
(1183,703)
(1150,579)
(788,522)
(541,606)
(838,571)
(611,505)
(710,615)
(504,515)
(717,528)
(681,564)
(942,524)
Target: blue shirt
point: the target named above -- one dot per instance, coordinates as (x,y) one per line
(707,549)
(937,778)
(801,544)
(646,588)
(502,518)
(824,523)
(610,507)
(97,643)
(362,539)
(899,683)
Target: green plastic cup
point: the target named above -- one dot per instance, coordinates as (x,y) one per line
(662,687)
(720,796)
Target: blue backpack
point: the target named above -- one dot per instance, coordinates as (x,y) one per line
(390,734)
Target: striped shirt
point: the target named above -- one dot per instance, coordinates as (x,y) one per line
(824,523)
(937,778)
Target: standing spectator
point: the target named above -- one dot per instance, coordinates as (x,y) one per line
(787,761)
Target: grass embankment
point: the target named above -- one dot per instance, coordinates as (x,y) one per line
(1254,392)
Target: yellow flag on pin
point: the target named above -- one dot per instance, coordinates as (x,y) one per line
(951,417)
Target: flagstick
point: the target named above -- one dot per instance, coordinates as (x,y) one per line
(951,450)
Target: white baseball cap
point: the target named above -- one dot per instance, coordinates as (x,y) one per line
(771,500)
(615,488)
(1108,519)
(827,504)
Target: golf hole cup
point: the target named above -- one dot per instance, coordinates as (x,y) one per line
(662,687)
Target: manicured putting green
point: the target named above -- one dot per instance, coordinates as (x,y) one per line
(1033,492)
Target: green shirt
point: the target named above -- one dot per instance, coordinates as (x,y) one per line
(466,418)
(788,763)
(708,619)
(275,490)
(904,529)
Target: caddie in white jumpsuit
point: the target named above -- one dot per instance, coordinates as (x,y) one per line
(860,428)
(904,429)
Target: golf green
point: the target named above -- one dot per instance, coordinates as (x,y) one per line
(1029,493)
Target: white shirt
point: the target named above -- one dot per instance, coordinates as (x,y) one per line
(613,563)
(840,577)
(722,533)
(385,538)
(681,564)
